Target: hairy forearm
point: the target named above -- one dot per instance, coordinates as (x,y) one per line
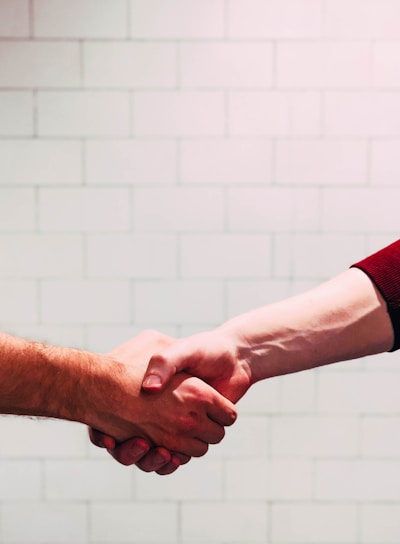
(342,319)
(49,381)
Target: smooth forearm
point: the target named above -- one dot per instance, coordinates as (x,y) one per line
(342,319)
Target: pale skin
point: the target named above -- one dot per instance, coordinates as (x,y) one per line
(104,392)
(344,318)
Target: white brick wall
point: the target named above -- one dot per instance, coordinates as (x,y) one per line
(14,18)
(35,64)
(172,163)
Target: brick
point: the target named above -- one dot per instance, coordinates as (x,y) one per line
(179,19)
(274,19)
(72,336)
(247,438)
(177,209)
(104,338)
(19,301)
(74,302)
(269,479)
(321,162)
(319,256)
(379,437)
(14,18)
(314,523)
(27,256)
(368,218)
(380,361)
(45,162)
(44,522)
(272,209)
(83,113)
(358,480)
(39,64)
(86,209)
(386,64)
(16,113)
(202,480)
(298,393)
(81,480)
(314,436)
(256,113)
(215,65)
(129,65)
(323,65)
(20,480)
(306,113)
(271,113)
(375,242)
(131,256)
(385,169)
(362,19)
(117,522)
(380,523)
(363,113)
(336,393)
(179,113)
(178,302)
(233,522)
(80,19)
(24,438)
(229,256)
(262,399)
(243,296)
(131,162)
(17,209)
(226,161)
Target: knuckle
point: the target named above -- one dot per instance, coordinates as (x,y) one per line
(232,417)
(188,423)
(220,436)
(201,450)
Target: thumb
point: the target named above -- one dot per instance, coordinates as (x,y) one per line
(159,372)
(181,355)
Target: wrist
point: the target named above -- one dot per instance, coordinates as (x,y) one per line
(239,347)
(264,345)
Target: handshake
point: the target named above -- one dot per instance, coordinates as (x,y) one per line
(156,402)
(166,400)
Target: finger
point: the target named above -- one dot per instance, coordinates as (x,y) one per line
(198,448)
(130,452)
(221,410)
(156,459)
(181,355)
(182,459)
(169,468)
(100,439)
(212,433)
(158,373)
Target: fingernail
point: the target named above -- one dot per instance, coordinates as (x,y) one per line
(152,380)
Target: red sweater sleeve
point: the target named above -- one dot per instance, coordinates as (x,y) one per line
(383,268)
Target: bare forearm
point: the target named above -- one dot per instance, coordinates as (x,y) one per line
(342,319)
(41,380)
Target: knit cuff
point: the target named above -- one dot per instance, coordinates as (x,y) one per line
(383,268)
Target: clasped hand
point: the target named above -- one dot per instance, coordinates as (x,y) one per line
(173,416)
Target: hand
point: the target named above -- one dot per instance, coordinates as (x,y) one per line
(138,451)
(185,418)
(212,356)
